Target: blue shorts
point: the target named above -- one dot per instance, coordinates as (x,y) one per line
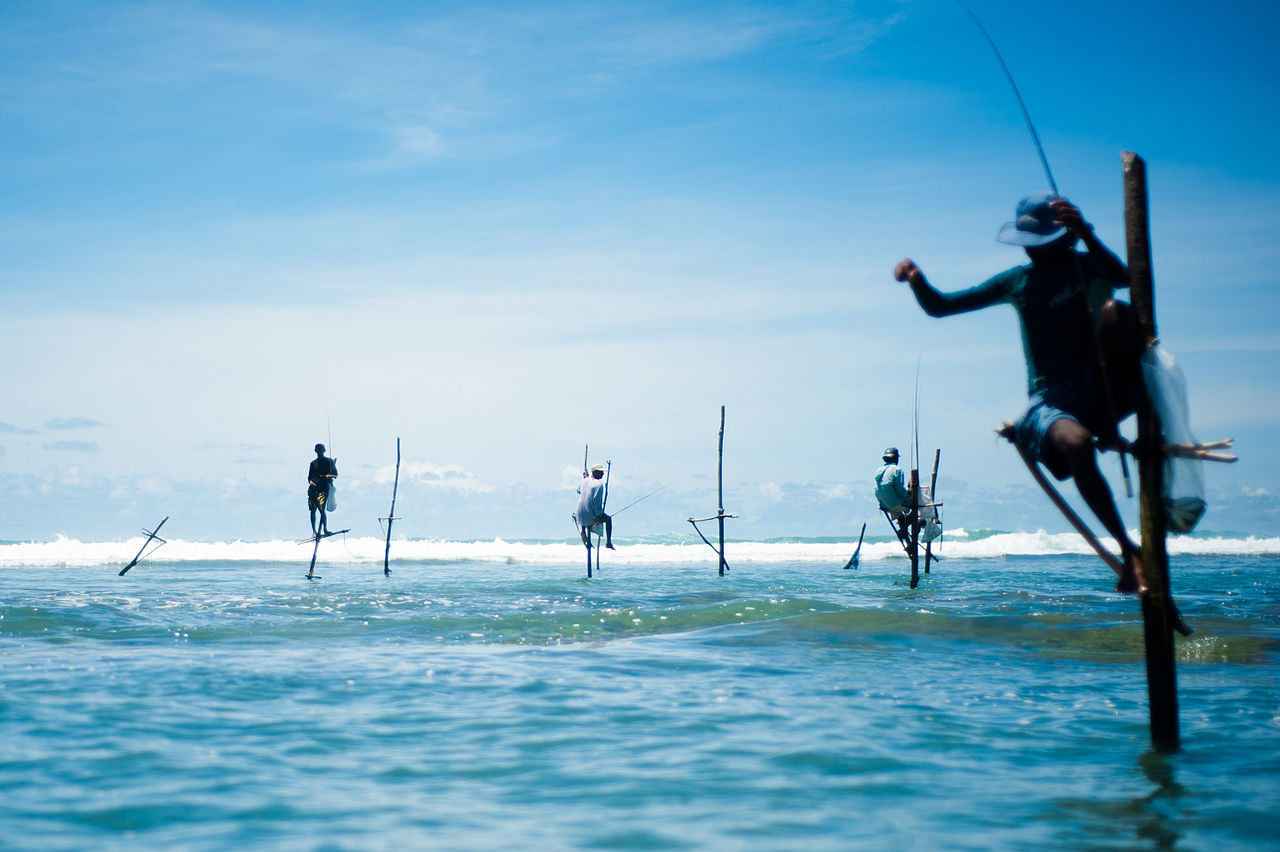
(1071,399)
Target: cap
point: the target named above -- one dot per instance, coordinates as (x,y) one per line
(1033,223)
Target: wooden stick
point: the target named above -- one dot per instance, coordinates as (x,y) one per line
(1064,507)
(933,495)
(391,516)
(914,551)
(720,491)
(311,571)
(1202,455)
(1157,606)
(712,518)
(151,536)
(724,565)
(897,533)
(1076,521)
(853,560)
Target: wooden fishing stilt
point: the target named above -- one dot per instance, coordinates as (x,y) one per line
(913,550)
(933,498)
(1158,612)
(853,560)
(317,538)
(151,536)
(720,489)
(391,516)
(311,571)
(720,515)
(583,532)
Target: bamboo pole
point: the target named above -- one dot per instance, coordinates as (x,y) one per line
(1157,609)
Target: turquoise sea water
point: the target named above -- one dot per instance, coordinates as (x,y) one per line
(491,698)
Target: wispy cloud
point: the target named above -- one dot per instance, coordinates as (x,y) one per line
(72,423)
(73,446)
(444,477)
(9,428)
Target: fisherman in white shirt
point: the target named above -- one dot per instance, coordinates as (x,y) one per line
(590,512)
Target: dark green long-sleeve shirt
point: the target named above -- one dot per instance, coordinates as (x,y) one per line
(1057,339)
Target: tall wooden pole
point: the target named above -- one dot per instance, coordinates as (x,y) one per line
(311,571)
(913,548)
(582,530)
(391,516)
(720,490)
(1158,613)
(933,498)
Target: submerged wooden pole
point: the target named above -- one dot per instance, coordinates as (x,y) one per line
(1158,612)
(720,490)
(152,535)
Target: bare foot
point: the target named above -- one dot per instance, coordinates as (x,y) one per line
(1132,581)
(609,545)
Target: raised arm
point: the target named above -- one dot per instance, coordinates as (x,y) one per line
(938,304)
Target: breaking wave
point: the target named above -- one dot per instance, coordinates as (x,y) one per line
(673,550)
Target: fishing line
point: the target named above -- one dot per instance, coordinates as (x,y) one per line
(633,502)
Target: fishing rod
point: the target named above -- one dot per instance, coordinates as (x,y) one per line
(633,502)
(608,471)
(1035,137)
(1053,185)
(328,428)
(915,416)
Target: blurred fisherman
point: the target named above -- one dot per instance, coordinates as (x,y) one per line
(1082,349)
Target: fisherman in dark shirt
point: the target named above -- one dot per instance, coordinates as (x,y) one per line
(319,476)
(1070,326)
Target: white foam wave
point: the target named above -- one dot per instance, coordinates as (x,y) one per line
(363,549)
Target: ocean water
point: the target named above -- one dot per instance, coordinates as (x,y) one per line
(487,696)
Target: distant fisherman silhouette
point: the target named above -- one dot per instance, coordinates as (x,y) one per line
(319,477)
(590,512)
(1070,323)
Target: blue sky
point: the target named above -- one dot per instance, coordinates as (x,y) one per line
(500,231)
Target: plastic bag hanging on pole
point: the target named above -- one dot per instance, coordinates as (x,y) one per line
(1184,491)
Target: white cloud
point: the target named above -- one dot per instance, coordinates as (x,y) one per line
(444,477)
(771,491)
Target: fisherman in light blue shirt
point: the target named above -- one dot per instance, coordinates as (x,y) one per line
(891,487)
